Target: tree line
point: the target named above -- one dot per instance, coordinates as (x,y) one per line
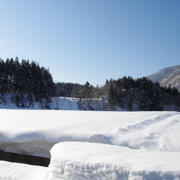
(27,83)
(75,90)
(141,95)
(134,95)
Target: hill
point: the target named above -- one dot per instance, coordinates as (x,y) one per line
(169,76)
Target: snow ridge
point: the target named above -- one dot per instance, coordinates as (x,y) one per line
(146,123)
(145,134)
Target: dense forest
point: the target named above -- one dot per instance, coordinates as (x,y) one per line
(27,83)
(75,90)
(126,93)
(141,95)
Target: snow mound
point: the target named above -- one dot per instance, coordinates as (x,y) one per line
(89,161)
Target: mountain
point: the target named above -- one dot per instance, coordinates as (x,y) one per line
(167,76)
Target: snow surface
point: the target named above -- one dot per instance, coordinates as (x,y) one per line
(95,144)
(62,103)
(65,103)
(34,132)
(77,160)
(17,171)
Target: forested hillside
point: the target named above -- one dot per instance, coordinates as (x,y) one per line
(25,81)
(142,95)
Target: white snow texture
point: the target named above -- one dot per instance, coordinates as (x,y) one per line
(96,145)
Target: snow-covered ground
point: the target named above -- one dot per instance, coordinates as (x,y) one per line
(62,103)
(17,171)
(34,132)
(77,160)
(96,145)
(59,103)
(65,103)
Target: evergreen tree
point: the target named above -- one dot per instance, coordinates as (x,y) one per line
(25,80)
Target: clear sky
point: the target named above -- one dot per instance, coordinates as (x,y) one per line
(92,40)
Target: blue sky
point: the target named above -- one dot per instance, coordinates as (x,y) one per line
(92,40)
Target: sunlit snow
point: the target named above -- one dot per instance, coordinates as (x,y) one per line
(92,145)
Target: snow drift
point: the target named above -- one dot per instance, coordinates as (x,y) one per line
(89,161)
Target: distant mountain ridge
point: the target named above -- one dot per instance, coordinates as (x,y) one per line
(167,76)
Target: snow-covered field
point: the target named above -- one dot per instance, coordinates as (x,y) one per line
(95,145)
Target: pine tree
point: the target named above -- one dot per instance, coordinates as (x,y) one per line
(112,98)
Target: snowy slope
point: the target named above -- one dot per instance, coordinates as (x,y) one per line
(168,76)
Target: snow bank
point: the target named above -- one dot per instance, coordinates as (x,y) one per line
(34,132)
(85,161)
(12,171)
